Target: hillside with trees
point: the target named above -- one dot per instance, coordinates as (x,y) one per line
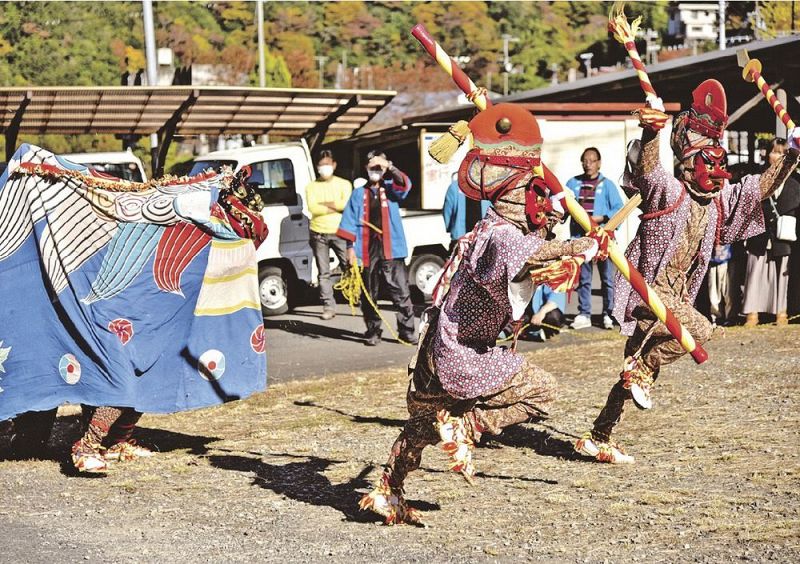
(352,44)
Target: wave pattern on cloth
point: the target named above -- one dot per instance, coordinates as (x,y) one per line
(179,245)
(128,252)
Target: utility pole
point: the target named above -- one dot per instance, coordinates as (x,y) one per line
(721,25)
(262,71)
(152,72)
(507,67)
(321,60)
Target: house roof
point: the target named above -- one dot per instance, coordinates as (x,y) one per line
(674,81)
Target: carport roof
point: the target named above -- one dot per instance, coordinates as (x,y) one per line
(188,110)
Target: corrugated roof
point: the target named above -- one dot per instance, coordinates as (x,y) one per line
(194,110)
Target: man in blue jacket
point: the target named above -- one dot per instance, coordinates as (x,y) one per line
(373,230)
(600,197)
(454,212)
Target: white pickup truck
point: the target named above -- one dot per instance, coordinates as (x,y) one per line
(281,172)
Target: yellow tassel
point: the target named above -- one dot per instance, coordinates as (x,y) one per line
(443,149)
(618,24)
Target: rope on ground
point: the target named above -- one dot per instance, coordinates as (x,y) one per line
(351,285)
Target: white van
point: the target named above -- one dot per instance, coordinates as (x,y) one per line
(282,171)
(120,164)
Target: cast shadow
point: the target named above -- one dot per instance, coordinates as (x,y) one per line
(305,481)
(224,396)
(67,429)
(313,330)
(386,422)
(542,442)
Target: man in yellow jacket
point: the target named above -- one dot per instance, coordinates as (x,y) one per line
(326,198)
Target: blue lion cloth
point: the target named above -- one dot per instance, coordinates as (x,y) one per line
(122,294)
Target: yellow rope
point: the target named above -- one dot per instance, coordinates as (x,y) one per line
(352,287)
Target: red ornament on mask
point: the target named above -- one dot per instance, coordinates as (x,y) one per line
(537,203)
(709,166)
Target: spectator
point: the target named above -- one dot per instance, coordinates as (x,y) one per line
(454,212)
(548,313)
(600,198)
(766,282)
(326,198)
(371,224)
(719,289)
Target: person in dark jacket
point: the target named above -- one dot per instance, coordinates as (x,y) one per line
(767,279)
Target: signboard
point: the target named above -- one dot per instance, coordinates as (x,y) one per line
(436,177)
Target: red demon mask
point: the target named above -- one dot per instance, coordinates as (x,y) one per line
(710,165)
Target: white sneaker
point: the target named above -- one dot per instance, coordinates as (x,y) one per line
(581,321)
(608,323)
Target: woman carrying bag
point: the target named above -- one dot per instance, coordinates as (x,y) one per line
(767,280)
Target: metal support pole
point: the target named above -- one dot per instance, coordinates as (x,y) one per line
(721,25)
(13,127)
(152,72)
(262,71)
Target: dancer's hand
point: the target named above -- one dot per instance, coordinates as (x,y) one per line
(651,118)
(603,238)
(794,138)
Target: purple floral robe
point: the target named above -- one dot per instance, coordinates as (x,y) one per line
(477,307)
(657,238)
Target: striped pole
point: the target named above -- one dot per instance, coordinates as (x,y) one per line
(752,73)
(633,276)
(637,281)
(626,34)
(450,66)
(641,71)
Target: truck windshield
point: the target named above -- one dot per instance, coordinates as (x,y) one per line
(202,166)
(124,171)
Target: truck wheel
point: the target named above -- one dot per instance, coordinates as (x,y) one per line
(273,290)
(424,273)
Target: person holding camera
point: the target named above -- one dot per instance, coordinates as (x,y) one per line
(372,227)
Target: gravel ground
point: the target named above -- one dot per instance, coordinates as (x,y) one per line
(278,477)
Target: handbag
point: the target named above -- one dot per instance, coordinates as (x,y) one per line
(786,226)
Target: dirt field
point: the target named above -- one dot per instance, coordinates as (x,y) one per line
(278,477)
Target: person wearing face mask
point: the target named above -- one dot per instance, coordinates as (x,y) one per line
(767,278)
(462,384)
(372,227)
(683,219)
(326,198)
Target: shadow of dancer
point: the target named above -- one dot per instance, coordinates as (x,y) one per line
(313,330)
(306,482)
(395,423)
(541,442)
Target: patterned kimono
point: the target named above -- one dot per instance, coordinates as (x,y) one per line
(458,366)
(672,249)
